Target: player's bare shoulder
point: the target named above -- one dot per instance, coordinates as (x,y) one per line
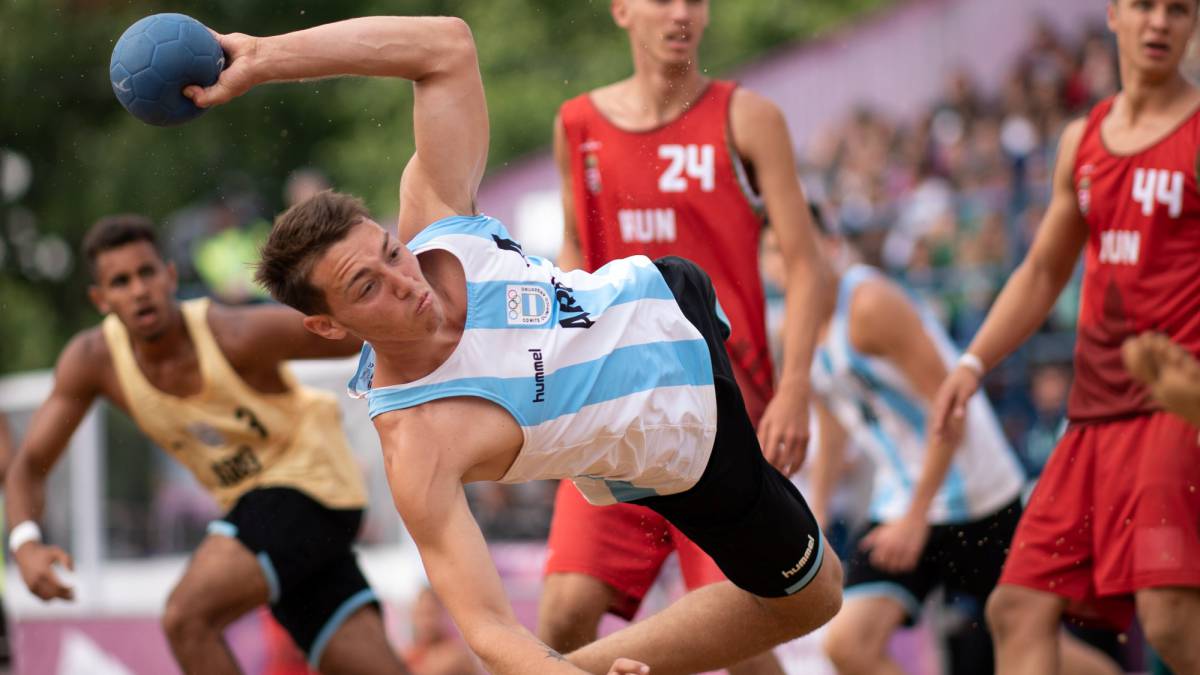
(85,368)
(755,121)
(473,437)
(876,310)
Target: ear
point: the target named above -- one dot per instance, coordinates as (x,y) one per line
(1111,15)
(96,295)
(620,13)
(325,326)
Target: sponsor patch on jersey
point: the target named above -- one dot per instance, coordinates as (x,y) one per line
(527,305)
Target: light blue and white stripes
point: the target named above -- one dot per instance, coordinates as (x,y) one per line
(879,409)
(610,383)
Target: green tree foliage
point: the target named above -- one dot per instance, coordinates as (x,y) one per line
(90,158)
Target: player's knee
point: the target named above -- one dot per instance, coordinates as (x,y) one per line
(571,609)
(1166,621)
(1012,610)
(180,624)
(817,603)
(847,653)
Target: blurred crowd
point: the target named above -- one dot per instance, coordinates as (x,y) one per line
(949,203)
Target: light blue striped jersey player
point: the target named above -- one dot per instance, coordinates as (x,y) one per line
(873,400)
(611,384)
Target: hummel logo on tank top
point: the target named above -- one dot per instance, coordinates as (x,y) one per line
(625,407)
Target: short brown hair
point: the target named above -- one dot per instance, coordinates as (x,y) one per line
(114,232)
(298,238)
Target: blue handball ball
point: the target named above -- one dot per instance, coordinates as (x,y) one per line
(155,59)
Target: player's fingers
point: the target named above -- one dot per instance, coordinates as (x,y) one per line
(628,667)
(62,558)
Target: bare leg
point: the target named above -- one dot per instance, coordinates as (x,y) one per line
(222,582)
(360,646)
(570,610)
(680,639)
(1171,619)
(859,635)
(1080,658)
(1025,627)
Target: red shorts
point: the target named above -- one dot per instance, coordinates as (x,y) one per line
(623,545)
(1116,510)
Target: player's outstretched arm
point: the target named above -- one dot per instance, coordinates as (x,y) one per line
(761,136)
(425,458)
(885,324)
(828,464)
(75,388)
(1032,289)
(437,54)
(570,257)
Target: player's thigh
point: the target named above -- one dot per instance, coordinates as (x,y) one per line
(360,646)
(223,581)
(575,596)
(865,624)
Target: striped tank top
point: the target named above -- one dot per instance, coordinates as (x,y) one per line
(611,384)
(874,402)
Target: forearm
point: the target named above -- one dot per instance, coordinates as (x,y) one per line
(1020,309)
(413,48)
(513,649)
(24,492)
(805,307)
(938,457)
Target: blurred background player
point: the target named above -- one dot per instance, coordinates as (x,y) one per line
(1169,371)
(208,384)
(666,162)
(436,648)
(1112,523)
(942,510)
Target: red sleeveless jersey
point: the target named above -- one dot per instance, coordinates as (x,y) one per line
(1141,264)
(679,189)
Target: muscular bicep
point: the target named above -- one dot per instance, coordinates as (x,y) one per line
(1063,230)
(761,137)
(886,324)
(570,256)
(50,429)
(450,130)
(428,493)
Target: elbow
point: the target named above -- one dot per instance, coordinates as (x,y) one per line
(458,41)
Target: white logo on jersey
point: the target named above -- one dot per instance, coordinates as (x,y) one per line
(696,161)
(647,225)
(1120,247)
(1161,186)
(527,305)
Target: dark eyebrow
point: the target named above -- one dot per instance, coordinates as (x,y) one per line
(363,270)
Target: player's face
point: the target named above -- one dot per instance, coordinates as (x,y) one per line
(136,284)
(1152,35)
(375,288)
(668,31)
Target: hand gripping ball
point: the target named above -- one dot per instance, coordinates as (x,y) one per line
(155,59)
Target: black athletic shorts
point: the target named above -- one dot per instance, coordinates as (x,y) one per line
(742,512)
(304,549)
(964,559)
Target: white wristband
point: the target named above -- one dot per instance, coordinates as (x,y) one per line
(23,534)
(972,363)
